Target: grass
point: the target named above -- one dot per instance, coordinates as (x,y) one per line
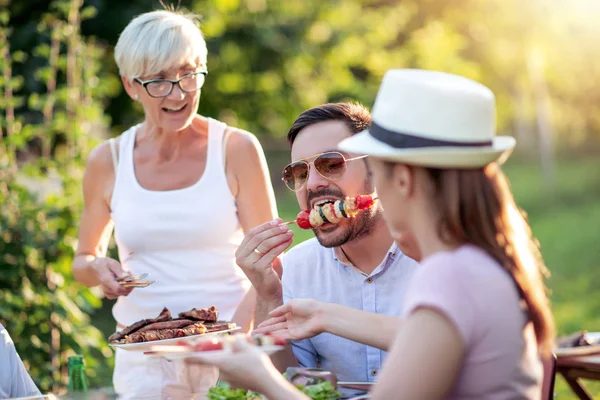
(565,219)
(567,223)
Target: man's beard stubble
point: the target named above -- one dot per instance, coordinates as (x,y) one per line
(360,226)
(356,228)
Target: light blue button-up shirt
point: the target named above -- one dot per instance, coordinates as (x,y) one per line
(313,271)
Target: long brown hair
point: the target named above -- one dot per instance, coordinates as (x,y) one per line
(477,207)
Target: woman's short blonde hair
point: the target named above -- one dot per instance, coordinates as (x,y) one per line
(159,41)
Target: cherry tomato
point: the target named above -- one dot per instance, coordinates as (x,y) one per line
(364,201)
(303,219)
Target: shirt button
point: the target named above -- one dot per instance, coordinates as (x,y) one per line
(374,372)
(369,280)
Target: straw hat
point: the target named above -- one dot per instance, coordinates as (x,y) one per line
(432,119)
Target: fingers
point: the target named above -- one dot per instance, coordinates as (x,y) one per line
(262,239)
(252,233)
(113,286)
(278,329)
(280,311)
(111,293)
(272,321)
(108,270)
(276,251)
(269,244)
(108,281)
(115,267)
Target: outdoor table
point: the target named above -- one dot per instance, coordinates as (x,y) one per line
(574,368)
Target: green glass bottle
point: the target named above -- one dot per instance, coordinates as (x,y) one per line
(77,379)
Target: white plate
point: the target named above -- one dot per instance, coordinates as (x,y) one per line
(593,349)
(593,337)
(145,346)
(178,355)
(577,351)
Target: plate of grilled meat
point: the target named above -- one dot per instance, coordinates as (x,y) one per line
(166,330)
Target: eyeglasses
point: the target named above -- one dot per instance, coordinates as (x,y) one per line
(330,165)
(163,87)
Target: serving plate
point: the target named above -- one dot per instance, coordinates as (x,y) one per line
(180,352)
(146,346)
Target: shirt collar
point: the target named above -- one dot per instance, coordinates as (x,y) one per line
(393,253)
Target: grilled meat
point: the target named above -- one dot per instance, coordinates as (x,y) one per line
(193,322)
(173,324)
(165,315)
(209,314)
(151,335)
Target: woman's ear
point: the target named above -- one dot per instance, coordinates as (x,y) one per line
(403,179)
(127,84)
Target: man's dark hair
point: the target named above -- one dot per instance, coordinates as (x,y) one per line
(356,116)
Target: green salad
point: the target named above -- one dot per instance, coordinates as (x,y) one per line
(224,392)
(320,391)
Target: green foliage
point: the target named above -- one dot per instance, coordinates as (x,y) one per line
(269,60)
(42,307)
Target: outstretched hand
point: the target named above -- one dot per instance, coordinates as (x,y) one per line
(298,319)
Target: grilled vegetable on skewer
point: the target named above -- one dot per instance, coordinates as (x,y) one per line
(333,212)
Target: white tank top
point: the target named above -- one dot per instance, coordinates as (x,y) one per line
(185,239)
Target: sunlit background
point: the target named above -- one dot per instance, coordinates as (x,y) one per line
(60,95)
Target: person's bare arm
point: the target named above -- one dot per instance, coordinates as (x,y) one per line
(90,267)
(305,318)
(252,187)
(425,359)
(372,329)
(255,200)
(244,313)
(248,367)
(256,206)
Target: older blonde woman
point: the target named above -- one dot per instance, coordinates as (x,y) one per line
(181,190)
(476,317)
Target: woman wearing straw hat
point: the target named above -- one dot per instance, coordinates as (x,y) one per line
(476,317)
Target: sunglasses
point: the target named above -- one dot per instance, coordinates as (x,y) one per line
(330,165)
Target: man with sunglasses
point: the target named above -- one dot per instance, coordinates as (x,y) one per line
(353,263)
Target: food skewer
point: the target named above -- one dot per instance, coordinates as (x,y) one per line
(333,212)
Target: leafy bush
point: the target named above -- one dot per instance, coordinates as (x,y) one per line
(44,139)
